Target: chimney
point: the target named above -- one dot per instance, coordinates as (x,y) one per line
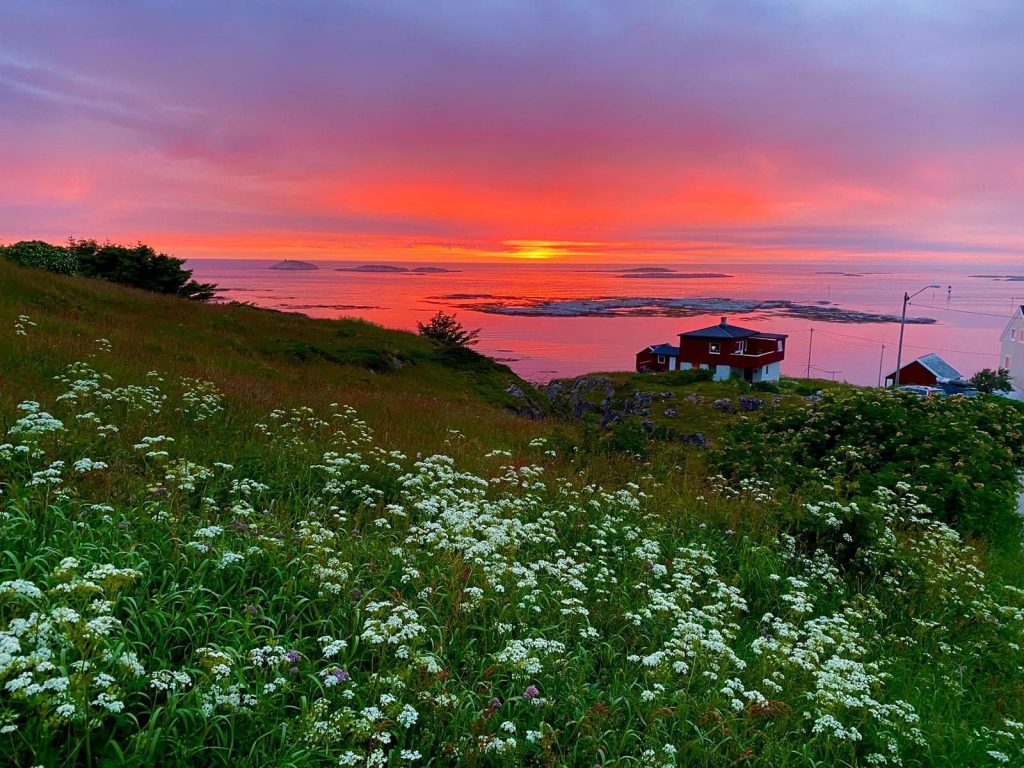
(723,321)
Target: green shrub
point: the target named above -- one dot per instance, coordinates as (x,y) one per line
(36,253)
(627,437)
(684,377)
(374,360)
(139,266)
(961,455)
(446,329)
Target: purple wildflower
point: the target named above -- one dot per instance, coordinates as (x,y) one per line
(495,702)
(293,656)
(531,692)
(340,674)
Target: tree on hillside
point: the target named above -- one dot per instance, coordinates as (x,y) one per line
(447,330)
(139,266)
(987,380)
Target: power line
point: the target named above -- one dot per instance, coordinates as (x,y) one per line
(863,343)
(875,342)
(962,311)
(955,351)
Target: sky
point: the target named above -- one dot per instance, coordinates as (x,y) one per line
(489,130)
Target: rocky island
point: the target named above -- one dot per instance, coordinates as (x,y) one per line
(294,265)
(675,307)
(389,269)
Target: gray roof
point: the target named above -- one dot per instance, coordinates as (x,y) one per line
(939,367)
(721,331)
(664,349)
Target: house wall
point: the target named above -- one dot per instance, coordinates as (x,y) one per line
(759,352)
(1011,350)
(914,373)
(769,372)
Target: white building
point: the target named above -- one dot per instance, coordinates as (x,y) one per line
(1011,348)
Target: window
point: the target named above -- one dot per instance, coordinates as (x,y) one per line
(661,359)
(1006,362)
(715,348)
(741,347)
(1013,334)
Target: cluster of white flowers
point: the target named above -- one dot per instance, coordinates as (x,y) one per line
(43,656)
(202,399)
(22,324)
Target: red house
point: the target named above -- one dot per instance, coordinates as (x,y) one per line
(730,350)
(725,349)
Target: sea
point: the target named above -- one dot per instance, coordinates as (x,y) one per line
(553,320)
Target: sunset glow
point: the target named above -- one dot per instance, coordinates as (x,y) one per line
(564,132)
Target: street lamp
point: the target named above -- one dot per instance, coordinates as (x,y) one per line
(903,320)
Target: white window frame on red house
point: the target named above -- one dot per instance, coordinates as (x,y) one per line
(661,360)
(714,348)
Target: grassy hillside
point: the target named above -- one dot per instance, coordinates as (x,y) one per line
(243,538)
(260,359)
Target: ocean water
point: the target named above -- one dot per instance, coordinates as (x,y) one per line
(969,317)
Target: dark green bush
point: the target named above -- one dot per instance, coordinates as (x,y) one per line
(139,266)
(627,437)
(36,253)
(688,376)
(962,456)
(376,360)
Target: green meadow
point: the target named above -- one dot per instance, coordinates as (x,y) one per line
(237,537)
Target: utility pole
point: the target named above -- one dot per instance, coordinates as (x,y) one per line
(881,358)
(810,345)
(903,321)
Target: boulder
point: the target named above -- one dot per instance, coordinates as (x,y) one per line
(724,405)
(748,403)
(697,440)
(525,407)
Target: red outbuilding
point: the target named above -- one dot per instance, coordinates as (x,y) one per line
(926,371)
(657,357)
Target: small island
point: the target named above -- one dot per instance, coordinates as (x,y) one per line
(672,275)
(293,264)
(389,269)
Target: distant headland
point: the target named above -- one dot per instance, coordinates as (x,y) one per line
(292,264)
